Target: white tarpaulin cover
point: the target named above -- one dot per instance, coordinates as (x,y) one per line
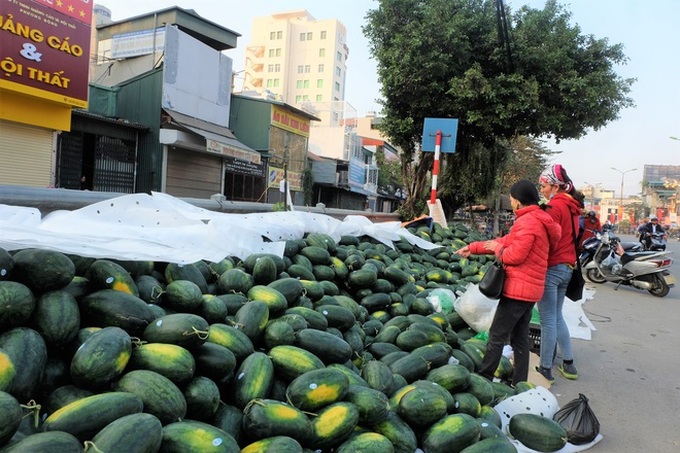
(159,227)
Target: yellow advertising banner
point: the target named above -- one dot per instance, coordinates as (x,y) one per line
(294,178)
(290,121)
(45,49)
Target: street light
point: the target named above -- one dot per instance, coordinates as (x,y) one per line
(592,192)
(621,195)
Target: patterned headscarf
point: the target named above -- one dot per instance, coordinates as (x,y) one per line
(556,174)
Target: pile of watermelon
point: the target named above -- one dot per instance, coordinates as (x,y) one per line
(333,347)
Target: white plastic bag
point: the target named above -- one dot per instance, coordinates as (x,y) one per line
(475,308)
(442,300)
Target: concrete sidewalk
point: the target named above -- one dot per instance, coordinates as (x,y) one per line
(630,370)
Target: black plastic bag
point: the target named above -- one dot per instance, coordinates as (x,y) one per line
(578,419)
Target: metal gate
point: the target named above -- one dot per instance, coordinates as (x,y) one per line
(107,164)
(114,165)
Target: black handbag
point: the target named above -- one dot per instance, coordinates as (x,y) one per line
(576,283)
(491,285)
(575,287)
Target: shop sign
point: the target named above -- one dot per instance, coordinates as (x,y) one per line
(294,178)
(243,167)
(45,49)
(290,121)
(214,146)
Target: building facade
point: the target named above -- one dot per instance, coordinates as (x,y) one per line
(44,60)
(660,189)
(145,73)
(300,60)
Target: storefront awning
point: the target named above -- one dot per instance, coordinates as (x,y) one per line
(219,139)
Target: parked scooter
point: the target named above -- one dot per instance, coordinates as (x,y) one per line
(646,270)
(591,245)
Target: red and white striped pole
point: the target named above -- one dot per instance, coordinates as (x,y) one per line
(435,168)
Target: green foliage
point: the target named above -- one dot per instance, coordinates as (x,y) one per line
(411,211)
(389,174)
(279,206)
(444,59)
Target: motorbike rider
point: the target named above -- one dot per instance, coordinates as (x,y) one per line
(650,228)
(589,227)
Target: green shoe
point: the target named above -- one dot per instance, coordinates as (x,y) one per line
(546,373)
(568,370)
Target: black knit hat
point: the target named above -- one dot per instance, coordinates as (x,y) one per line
(525,192)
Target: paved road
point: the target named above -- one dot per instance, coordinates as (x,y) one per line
(630,369)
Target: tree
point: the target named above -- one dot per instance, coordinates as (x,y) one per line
(447,59)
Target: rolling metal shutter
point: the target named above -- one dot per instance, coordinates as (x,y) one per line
(26,155)
(193,174)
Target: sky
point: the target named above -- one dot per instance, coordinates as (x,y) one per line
(647,30)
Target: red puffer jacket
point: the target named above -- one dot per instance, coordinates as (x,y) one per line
(565,210)
(525,253)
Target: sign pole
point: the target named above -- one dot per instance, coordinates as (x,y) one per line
(435,168)
(439,135)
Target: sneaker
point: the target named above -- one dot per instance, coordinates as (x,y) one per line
(568,370)
(546,373)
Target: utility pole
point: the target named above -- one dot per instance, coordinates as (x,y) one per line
(621,194)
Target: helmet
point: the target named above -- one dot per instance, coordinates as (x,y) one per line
(653,218)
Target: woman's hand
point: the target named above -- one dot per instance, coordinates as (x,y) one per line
(491,246)
(464,252)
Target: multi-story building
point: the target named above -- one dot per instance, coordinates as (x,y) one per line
(299,59)
(660,189)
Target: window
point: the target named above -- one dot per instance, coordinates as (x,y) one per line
(338,56)
(272,35)
(337,86)
(322,35)
(299,83)
(305,97)
(319,97)
(303,36)
(319,83)
(321,68)
(308,69)
(306,84)
(278,52)
(276,82)
(322,52)
(272,52)
(277,67)
(309,36)
(279,34)
(338,71)
(298,99)
(300,69)
(270,68)
(270,83)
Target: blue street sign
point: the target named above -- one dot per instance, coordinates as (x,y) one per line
(449,128)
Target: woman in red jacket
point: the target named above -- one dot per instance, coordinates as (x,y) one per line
(564,206)
(524,254)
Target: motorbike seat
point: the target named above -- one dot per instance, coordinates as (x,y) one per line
(628,246)
(627,257)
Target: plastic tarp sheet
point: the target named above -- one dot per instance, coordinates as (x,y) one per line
(539,401)
(159,227)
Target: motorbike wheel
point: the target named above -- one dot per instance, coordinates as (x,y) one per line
(659,287)
(595,276)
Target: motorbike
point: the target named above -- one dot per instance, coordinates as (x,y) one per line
(590,246)
(657,242)
(645,270)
